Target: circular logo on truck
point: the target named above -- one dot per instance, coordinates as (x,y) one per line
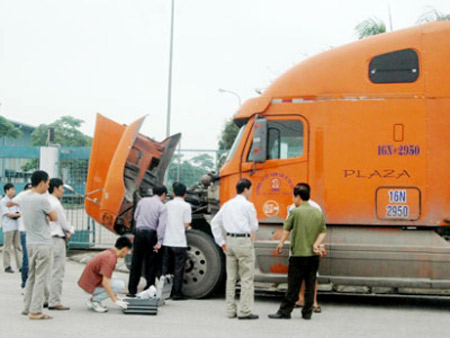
(271,208)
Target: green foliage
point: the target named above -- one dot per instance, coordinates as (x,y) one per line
(31,165)
(7,129)
(190,171)
(432,15)
(228,135)
(227,138)
(66,131)
(370,27)
(205,161)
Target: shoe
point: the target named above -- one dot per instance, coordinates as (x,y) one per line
(39,316)
(317,309)
(9,270)
(131,295)
(279,315)
(232,316)
(59,307)
(96,306)
(306,317)
(179,297)
(45,305)
(250,316)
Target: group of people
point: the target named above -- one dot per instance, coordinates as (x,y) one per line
(162,227)
(306,226)
(159,227)
(37,217)
(35,230)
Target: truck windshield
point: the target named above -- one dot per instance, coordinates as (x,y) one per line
(235,143)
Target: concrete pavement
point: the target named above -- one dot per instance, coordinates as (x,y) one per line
(342,316)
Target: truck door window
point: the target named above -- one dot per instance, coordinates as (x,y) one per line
(285,140)
(236,142)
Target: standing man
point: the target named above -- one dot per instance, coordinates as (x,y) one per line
(175,243)
(238,218)
(23,238)
(308,231)
(36,213)
(10,225)
(301,295)
(97,280)
(60,231)
(151,220)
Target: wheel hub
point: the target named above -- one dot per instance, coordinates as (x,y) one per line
(196,266)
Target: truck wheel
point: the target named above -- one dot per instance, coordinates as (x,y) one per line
(204,269)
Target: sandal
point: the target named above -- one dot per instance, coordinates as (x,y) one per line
(317,309)
(41,316)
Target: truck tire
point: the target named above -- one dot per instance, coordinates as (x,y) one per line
(204,269)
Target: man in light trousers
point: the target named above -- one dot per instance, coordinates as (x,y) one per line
(60,230)
(238,218)
(36,213)
(10,224)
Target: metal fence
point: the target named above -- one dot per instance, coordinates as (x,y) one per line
(18,163)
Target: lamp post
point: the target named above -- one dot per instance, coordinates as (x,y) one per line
(221,90)
(169,93)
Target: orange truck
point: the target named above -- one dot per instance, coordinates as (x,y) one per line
(367,125)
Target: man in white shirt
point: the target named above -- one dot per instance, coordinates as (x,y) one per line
(10,225)
(179,217)
(238,218)
(23,238)
(59,230)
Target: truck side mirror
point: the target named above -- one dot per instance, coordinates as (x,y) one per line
(259,148)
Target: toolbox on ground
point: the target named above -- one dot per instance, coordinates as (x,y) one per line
(149,306)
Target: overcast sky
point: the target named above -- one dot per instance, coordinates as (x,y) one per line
(79,57)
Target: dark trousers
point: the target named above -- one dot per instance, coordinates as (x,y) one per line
(23,241)
(300,268)
(144,241)
(174,259)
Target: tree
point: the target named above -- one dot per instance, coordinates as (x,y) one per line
(432,14)
(227,138)
(204,161)
(190,171)
(66,131)
(7,129)
(228,135)
(370,27)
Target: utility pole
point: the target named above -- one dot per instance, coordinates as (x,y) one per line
(169,94)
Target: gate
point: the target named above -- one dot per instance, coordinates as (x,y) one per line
(18,163)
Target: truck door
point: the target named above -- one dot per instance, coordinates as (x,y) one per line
(284,165)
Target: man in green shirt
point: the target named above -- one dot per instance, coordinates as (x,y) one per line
(307,225)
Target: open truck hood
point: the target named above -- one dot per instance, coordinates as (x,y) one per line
(124,165)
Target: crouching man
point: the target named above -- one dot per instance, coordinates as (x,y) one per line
(97,280)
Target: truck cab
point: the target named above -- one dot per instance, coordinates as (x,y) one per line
(366,125)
